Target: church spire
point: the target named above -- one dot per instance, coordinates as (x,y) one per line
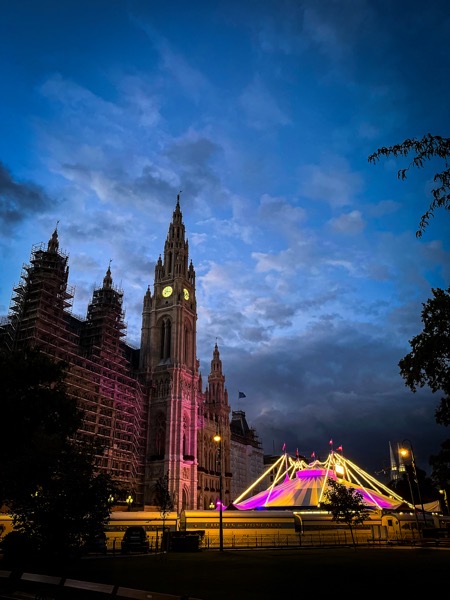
(53,243)
(107,280)
(175,263)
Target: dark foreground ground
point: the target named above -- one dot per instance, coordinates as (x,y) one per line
(261,575)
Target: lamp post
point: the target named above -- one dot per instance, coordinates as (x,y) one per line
(404,452)
(412,500)
(444,493)
(129,501)
(218,439)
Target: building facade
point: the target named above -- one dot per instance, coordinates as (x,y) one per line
(147,405)
(247,456)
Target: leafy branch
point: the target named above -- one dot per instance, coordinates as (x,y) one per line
(430,146)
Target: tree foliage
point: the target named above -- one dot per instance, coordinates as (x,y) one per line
(425,149)
(346,505)
(162,496)
(37,418)
(407,485)
(48,480)
(440,464)
(70,508)
(428,363)
(164,501)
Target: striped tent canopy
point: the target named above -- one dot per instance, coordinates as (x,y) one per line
(297,484)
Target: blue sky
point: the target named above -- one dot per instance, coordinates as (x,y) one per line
(263,113)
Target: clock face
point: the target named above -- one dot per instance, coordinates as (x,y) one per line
(186,294)
(167,291)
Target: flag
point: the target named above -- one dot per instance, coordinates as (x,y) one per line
(242,395)
(313,455)
(339,448)
(284,447)
(296,454)
(331,442)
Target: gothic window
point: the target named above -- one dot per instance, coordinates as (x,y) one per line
(185,340)
(160,435)
(161,341)
(185,436)
(187,344)
(165,340)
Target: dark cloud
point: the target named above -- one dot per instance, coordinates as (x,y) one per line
(345,386)
(311,320)
(19,201)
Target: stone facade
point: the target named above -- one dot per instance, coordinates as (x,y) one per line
(148,404)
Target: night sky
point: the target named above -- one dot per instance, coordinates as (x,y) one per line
(310,277)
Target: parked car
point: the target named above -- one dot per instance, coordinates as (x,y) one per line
(135,540)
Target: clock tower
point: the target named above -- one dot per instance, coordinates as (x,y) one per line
(170,368)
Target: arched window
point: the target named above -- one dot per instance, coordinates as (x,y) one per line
(187,344)
(185,440)
(166,338)
(160,435)
(184,499)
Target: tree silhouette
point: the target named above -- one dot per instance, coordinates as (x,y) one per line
(428,363)
(346,505)
(425,149)
(163,498)
(48,479)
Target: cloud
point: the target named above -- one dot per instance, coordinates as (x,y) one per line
(19,201)
(263,115)
(332,182)
(351,223)
(348,399)
(260,107)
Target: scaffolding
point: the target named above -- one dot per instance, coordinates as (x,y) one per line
(100,376)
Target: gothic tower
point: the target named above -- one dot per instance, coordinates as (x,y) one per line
(41,301)
(214,459)
(169,364)
(147,404)
(101,368)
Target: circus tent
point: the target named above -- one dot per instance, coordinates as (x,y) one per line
(302,485)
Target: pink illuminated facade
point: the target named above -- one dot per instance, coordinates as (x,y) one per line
(147,405)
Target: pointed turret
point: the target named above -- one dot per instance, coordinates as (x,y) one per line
(42,297)
(144,356)
(104,326)
(53,243)
(176,248)
(216,393)
(107,280)
(159,270)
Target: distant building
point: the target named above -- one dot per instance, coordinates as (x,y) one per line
(247,456)
(147,405)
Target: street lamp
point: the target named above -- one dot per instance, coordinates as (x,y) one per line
(404,452)
(218,440)
(129,501)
